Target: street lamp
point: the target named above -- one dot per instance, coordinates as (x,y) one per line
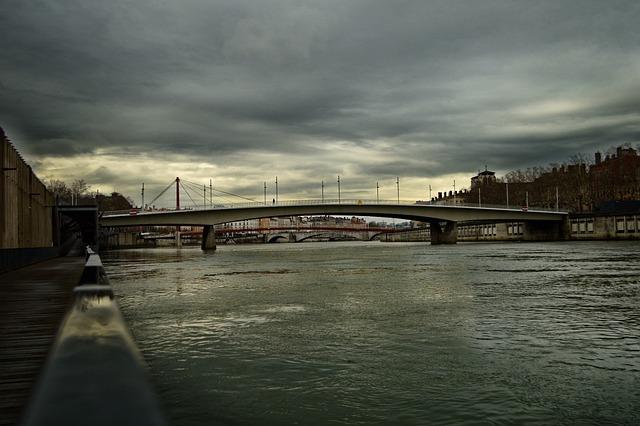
(377,193)
(398,187)
(507,186)
(276,189)
(454,192)
(338,189)
(322,193)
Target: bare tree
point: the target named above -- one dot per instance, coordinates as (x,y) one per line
(79,187)
(580,159)
(59,189)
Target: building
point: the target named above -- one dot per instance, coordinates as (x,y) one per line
(616,178)
(451,198)
(483,178)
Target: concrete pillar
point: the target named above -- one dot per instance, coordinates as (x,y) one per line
(208,238)
(545,231)
(3,192)
(448,235)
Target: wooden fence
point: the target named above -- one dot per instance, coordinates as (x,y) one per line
(26,219)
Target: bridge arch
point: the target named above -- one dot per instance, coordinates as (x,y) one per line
(375,236)
(328,234)
(276,238)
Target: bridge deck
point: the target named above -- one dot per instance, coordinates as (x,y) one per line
(33,302)
(418,212)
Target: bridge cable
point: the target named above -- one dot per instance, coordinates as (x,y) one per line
(235,195)
(189,195)
(188,191)
(161,193)
(225,192)
(197,188)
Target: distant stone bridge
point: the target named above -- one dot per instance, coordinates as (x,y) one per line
(300,236)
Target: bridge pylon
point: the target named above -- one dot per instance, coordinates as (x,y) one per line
(447,234)
(208,238)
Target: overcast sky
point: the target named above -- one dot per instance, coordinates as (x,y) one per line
(123,92)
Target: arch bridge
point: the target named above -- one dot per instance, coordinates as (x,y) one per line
(443,219)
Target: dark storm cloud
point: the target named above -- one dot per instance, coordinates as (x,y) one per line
(417,88)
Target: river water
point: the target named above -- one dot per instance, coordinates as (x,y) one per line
(388,333)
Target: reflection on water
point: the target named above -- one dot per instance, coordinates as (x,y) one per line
(388,333)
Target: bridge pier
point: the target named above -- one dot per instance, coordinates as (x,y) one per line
(545,231)
(208,238)
(446,235)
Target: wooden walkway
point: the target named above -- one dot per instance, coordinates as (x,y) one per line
(33,302)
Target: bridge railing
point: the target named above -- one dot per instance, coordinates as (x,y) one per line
(294,203)
(95,373)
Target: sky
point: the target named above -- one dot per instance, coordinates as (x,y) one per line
(122,92)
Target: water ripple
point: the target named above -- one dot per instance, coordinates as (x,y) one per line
(374,333)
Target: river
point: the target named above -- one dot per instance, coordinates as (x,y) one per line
(388,333)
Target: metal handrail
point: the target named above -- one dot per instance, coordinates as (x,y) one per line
(95,373)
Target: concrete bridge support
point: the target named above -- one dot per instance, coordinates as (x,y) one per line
(178,238)
(208,238)
(447,234)
(545,231)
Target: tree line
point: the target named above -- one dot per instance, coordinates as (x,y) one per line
(79,192)
(577,185)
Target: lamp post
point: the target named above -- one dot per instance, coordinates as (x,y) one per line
(398,187)
(377,192)
(454,192)
(276,189)
(507,186)
(430,194)
(557,199)
(322,193)
(265,193)
(338,189)
(178,228)
(177,193)
(479,197)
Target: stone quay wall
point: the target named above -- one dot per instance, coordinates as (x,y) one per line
(579,227)
(605,227)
